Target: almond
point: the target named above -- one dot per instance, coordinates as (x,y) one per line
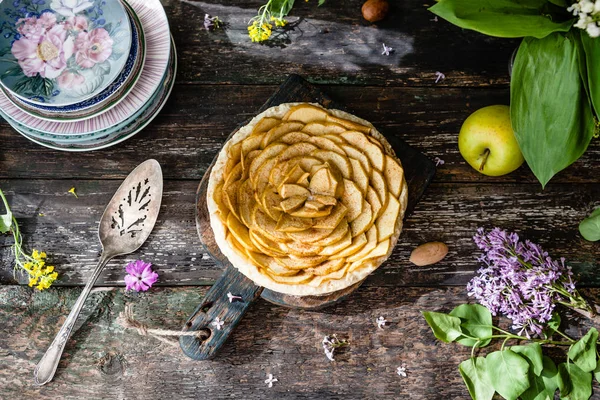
(375,10)
(428,253)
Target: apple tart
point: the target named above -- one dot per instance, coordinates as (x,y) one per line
(305,200)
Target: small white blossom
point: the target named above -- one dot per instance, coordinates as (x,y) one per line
(330,343)
(217,323)
(438,161)
(232,297)
(386,50)
(435,19)
(401,371)
(439,76)
(588,12)
(269,381)
(381,321)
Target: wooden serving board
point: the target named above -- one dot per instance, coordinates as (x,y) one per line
(419,171)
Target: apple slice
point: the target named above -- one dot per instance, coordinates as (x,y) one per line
(295,137)
(336,247)
(358,243)
(288,223)
(327,267)
(359,176)
(352,198)
(336,137)
(235,244)
(349,124)
(278,131)
(303,181)
(218,198)
(354,153)
(310,236)
(323,183)
(246,202)
(367,248)
(290,189)
(247,160)
(394,175)
(270,151)
(264,261)
(333,219)
(319,280)
(267,226)
(379,251)
(269,200)
(333,158)
(363,222)
(251,143)
(338,233)
(326,200)
(373,200)
(297,279)
(386,224)
(235,175)
(302,249)
(261,179)
(266,245)
(360,141)
(292,203)
(378,184)
(323,128)
(239,231)
(297,150)
(300,262)
(306,113)
(295,174)
(314,205)
(265,124)
(306,212)
(326,144)
(230,197)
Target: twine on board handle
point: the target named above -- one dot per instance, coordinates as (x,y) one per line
(126,320)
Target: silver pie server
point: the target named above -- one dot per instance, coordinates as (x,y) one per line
(125,225)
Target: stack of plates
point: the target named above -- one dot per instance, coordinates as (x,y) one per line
(80,75)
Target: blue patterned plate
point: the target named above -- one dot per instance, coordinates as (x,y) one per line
(106,99)
(61,52)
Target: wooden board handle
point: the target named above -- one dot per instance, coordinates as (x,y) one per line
(215,305)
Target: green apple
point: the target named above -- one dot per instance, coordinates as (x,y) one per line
(487,142)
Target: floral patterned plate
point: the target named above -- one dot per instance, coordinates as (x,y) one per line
(156,29)
(129,128)
(106,99)
(61,52)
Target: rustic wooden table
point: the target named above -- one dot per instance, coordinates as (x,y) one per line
(223,79)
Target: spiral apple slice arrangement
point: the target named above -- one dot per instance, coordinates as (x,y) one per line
(310,198)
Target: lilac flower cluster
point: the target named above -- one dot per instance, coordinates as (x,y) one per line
(519,280)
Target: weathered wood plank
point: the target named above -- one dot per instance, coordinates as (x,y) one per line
(104,361)
(448,212)
(193,126)
(333,44)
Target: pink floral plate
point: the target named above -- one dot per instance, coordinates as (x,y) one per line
(158,46)
(61,52)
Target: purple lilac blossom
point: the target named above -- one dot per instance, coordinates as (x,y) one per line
(518,279)
(140,276)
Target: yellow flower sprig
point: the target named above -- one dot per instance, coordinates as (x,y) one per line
(40,275)
(260,28)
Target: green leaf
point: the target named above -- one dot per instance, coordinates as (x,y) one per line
(591,50)
(597,372)
(590,227)
(47,86)
(583,353)
(577,384)
(532,353)
(476,321)
(321,2)
(474,373)
(507,372)
(445,327)
(560,3)
(14,71)
(502,18)
(281,8)
(552,133)
(7,218)
(544,386)
(552,325)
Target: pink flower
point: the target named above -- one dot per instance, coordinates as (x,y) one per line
(69,80)
(46,55)
(140,276)
(93,47)
(47,20)
(77,23)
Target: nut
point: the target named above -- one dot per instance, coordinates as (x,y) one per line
(375,10)
(428,253)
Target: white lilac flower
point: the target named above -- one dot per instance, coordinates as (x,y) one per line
(589,16)
(330,343)
(386,50)
(269,381)
(401,371)
(438,161)
(381,321)
(218,323)
(439,76)
(232,297)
